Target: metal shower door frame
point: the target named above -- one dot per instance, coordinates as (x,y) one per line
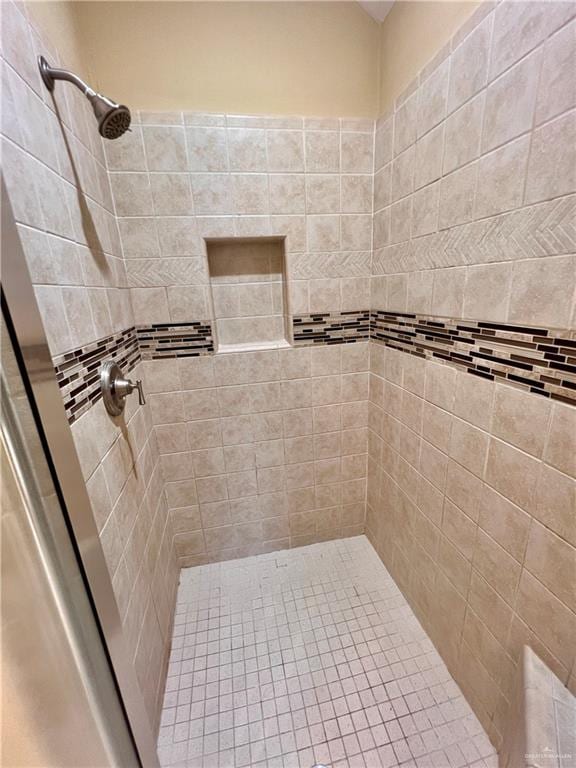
(45,396)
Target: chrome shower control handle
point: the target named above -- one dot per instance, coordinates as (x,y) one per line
(116,388)
(141,398)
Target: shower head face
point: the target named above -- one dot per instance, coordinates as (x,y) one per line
(113,119)
(115,123)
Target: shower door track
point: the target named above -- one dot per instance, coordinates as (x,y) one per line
(31,345)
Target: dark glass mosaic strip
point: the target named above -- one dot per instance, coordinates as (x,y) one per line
(175,340)
(78,371)
(539,360)
(331,328)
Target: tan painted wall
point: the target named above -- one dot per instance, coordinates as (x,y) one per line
(307,58)
(411,34)
(311,58)
(59,23)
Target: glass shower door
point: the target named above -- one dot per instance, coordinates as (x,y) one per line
(60,702)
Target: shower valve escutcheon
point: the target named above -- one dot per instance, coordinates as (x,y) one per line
(115,388)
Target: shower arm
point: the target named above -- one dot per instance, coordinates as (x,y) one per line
(113,119)
(51,74)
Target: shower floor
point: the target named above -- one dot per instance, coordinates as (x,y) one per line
(305,656)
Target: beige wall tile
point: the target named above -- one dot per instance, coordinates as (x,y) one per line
(499,569)
(519,29)
(429,153)
(132,195)
(207,150)
(511,472)
(356,232)
(440,385)
(542,291)
(474,400)
(357,152)
(464,489)
(550,620)
(165,148)
(322,193)
(506,523)
(521,419)
(457,192)
(553,561)
(487,292)
(433,98)
(285,150)
(454,565)
(463,134)
(425,210)
(493,611)
(356,193)
(551,171)
(403,174)
(501,177)
(436,426)
(510,103)
(322,151)
(469,446)
(459,528)
(448,295)
(483,645)
(469,68)
(556,90)
(400,217)
(419,297)
(127,152)
(384,142)
(287,193)
(323,233)
(554,502)
(433,464)
(405,124)
(560,448)
(171,194)
(246,150)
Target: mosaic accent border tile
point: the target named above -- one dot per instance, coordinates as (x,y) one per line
(540,360)
(175,340)
(78,372)
(331,327)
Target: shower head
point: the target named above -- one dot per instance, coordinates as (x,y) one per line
(113,119)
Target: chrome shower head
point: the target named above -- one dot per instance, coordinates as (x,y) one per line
(113,119)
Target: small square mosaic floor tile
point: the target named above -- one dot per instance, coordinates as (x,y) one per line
(309,656)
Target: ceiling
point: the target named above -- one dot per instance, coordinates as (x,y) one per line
(378,9)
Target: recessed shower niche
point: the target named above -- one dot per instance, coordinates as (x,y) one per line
(247,280)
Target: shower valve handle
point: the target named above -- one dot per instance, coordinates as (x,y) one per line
(141,398)
(116,388)
(129,387)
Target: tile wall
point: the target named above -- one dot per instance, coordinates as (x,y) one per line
(55,170)
(260,450)
(471,491)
